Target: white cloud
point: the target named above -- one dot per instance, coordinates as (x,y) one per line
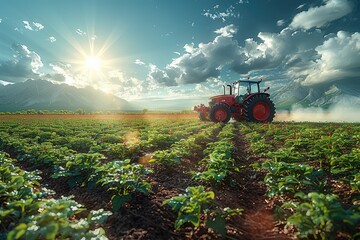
(198,63)
(125,87)
(80,32)
(0,20)
(139,62)
(27,25)
(52,39)
(34,26)
(227,31)
(62,73)
(230,12)
(157,77)
(339,59)
(38,26)
(322,15)
(301,6)
(24,65)
(280,22)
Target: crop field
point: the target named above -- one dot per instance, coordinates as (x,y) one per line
(175,177)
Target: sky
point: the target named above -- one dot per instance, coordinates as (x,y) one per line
(179,49)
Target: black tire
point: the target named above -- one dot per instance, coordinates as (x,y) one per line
(225,110)
(265,103)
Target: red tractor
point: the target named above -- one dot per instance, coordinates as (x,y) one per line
(253,106)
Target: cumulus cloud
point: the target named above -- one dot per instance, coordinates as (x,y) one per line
(305,56)
(339,59)
(25,64)
(157,77)
(322,15)
(227,31)
(199,63)
(289,49)
(62,72)
(120,83)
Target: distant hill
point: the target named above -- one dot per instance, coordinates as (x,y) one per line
(323,96)
(44,95)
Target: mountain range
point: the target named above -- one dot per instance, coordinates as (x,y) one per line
(324,96)
(44,95)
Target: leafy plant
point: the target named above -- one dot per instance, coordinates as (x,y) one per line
(197,201)
(79,167)
(124,179)
(55,219)
(287,177)
(321,216)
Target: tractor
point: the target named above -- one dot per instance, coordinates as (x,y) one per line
(253,106)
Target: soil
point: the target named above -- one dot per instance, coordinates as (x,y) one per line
(97,116)
(146,217)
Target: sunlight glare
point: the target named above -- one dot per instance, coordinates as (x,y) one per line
(93,63)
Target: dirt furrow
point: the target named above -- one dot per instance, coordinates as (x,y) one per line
(257,221)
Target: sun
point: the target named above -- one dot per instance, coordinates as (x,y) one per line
(93,63)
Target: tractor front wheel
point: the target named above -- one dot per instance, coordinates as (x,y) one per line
(259,108)
(220,113)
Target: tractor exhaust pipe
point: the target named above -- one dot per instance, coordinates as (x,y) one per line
(230,88)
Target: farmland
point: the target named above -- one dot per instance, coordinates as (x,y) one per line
(174,177)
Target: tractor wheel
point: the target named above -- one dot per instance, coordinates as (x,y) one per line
(220,113)
(259,108)
(202,117)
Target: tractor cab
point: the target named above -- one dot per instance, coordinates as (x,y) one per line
(250,104)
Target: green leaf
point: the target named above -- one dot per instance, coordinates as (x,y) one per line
(4,213)
(17,232)
(217,224)
(119,201)
(187,217)
(51,230)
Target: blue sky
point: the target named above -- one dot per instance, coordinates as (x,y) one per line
(176,49)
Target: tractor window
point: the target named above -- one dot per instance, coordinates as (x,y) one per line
(242,90)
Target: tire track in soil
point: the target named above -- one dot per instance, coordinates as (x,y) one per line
(247,192)
(257,221)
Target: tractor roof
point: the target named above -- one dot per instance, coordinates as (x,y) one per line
(246,81)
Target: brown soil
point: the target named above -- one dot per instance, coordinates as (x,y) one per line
(96,116)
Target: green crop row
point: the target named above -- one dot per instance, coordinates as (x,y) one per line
(303,159)
(28,212)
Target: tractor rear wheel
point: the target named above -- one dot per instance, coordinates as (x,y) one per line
(220,113)
(259,108)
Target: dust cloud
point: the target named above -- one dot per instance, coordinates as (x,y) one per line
(336,113)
